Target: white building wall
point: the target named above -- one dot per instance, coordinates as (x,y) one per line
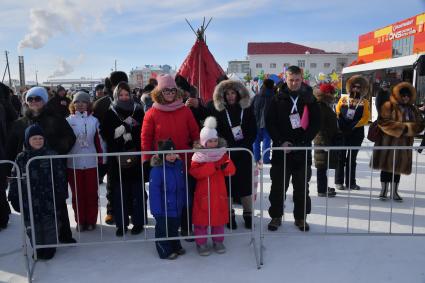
(280,60)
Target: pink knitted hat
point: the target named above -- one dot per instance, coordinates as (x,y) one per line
(165,81)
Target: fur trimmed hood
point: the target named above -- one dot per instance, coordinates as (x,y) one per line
(156,160)
(358,79)
(396,97)
(158,97)
(218,96)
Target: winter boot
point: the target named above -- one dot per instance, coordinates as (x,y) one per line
(395,194)
(247,217)
(232,224)
(384,191)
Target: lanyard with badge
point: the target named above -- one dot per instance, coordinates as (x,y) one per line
(236,131)
(351,112)
(294,117)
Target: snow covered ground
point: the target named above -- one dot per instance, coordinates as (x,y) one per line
(289,255)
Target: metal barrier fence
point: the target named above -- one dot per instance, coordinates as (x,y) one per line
(356,211)
(351,212)
(18,176)
(105,237)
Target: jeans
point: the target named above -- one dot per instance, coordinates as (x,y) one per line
(262,136)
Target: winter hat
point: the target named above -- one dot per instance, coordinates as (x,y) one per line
(60,88)
(209,130)
(38,91)
(182,83)
(99,87)
(81,96)
(166,145)
(33,130)
(148,88)
(166,81)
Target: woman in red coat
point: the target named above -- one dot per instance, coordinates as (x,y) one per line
(210,205)
(169,118)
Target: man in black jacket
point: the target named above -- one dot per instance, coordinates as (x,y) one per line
(293,119)
(59,134)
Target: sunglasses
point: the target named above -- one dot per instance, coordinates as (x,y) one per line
(34,98)
(169,90)
(405,95)
(357,86)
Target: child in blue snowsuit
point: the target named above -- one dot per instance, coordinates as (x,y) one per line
(171,190)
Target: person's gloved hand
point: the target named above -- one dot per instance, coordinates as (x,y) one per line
(224,165)
(127,137)
(119,131)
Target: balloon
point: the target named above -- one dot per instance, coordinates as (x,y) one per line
(275,78)
(322,76)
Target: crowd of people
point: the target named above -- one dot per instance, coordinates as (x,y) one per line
(188,193)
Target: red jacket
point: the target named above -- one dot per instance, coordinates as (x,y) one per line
(219,201)
(179,125)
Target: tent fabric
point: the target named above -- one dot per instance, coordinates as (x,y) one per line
(201,70)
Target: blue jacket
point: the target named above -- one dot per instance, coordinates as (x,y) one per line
(175,191)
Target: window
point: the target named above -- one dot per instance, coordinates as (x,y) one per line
(326,65)
(286,65)
(272,65)
(301,63)
(258,65)
(313,65)
(403,47)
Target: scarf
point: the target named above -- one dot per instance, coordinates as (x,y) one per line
(211,156)
(177,104)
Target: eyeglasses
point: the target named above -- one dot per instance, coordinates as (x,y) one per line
(34,98)
(169,90)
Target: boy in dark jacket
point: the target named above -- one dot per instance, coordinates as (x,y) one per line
(47,191)
(167,186)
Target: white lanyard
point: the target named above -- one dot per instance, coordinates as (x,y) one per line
(294,106)
(230,122)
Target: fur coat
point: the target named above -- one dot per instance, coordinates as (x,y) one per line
(398,125)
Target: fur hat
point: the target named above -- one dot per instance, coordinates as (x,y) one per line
(33,130)
(166,145)
(38,91)
(182,83)
(81,96)
(358,79)
(209,130)
(239,87)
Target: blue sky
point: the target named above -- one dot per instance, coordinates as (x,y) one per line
(76,38)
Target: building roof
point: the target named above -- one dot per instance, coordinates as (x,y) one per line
(258,48)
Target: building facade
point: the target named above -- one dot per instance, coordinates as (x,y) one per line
(139,77)
(402,38)
(274,57)
(238,67)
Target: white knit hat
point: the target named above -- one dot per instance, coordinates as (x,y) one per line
(209,130)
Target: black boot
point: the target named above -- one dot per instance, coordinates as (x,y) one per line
(232,224)
(247,217)
(395,195)
(384,191)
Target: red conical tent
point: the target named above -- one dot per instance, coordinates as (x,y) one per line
(200,68)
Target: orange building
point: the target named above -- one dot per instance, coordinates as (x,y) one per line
(403,38)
